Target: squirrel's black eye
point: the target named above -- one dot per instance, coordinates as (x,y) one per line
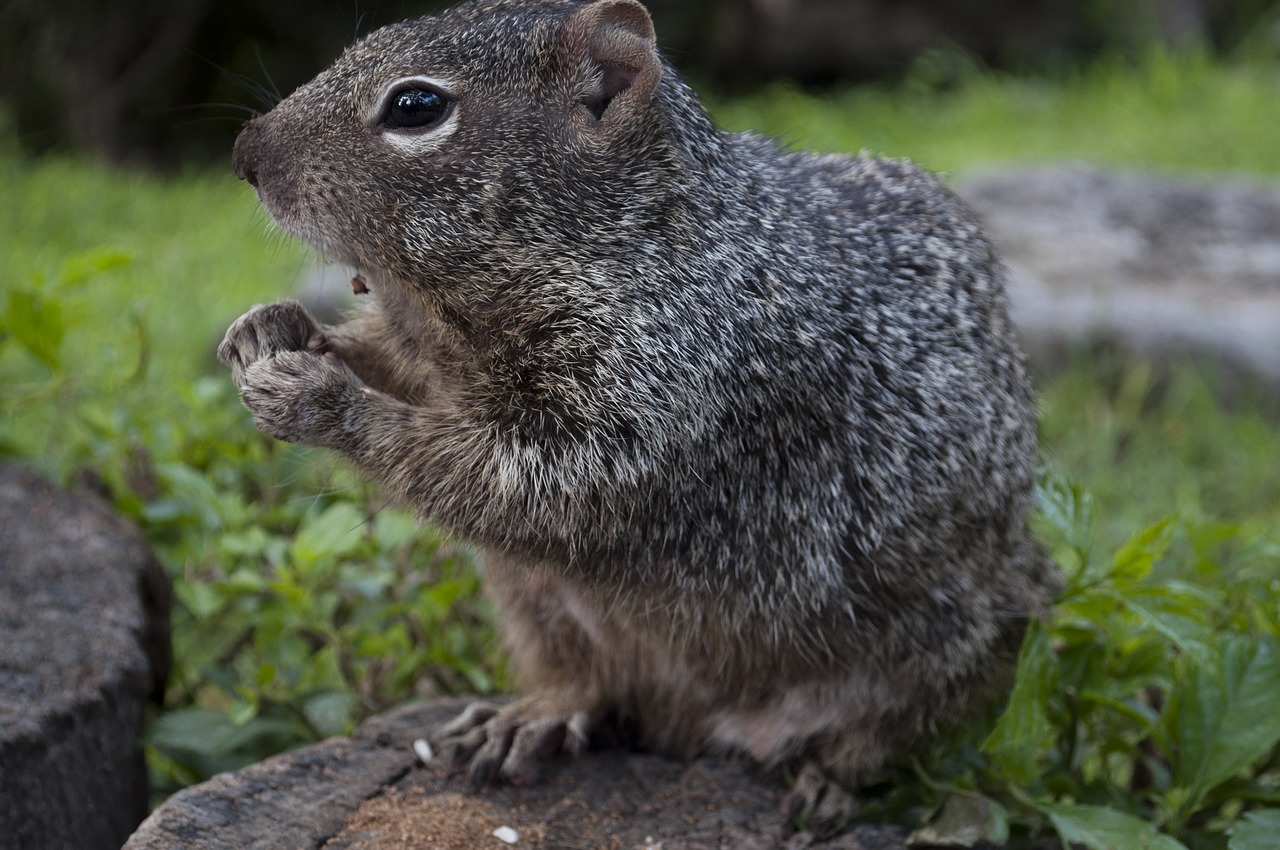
(415,109)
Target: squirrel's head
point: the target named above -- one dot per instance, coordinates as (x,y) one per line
(498,131)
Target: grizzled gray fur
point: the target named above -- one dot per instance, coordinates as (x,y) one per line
(743,433)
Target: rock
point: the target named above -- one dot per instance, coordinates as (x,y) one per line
(84,643)
(370,792)
(1155,265)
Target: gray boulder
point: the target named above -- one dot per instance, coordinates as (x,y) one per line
(1154,265)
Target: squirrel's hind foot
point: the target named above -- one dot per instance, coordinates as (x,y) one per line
(818,803)
(510,744)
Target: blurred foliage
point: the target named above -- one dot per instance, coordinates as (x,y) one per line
(1143,712)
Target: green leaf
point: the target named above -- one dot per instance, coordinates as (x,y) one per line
(1130,711)
(242,713)
(368,583)
(1227,718)
(1135,559)
(1069,511)
(375,645)
(1258,830)
(1186,632)
(244,581)
(250,543)
(333,533)
(83,265)
(201,600)
(1100,828)
(395,528)
(331,712)
(964,820)
(36,323)
(210,732)
(1023,726)
(195,490)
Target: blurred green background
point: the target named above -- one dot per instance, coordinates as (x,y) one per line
(305,603)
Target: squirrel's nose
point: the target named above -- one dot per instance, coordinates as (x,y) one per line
(244,155)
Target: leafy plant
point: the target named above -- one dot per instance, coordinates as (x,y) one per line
(34,320)
(33,313)
(1143,714)
(296,625)
(297,615)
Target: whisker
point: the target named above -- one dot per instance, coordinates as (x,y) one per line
(274,90)
(267,97)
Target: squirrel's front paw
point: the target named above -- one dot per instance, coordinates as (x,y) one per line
(268,329)
(302,397)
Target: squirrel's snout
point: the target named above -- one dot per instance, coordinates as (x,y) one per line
(244,155)
(246,172)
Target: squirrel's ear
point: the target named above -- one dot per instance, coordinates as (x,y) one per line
(613,42)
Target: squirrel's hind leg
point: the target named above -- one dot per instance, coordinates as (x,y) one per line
(550,634)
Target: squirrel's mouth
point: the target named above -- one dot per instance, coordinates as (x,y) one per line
(303,221)
(331,252)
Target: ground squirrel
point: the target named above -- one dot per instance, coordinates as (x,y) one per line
(743,434)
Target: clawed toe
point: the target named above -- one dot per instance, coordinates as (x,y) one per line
(534,743)
(488,760)
(474,715)
(458,750)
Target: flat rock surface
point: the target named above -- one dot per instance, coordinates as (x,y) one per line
(370,792)
(1154,264)
(83,645)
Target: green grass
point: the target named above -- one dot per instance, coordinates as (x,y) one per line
(1173,112)
(1151,441)
(304,604)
